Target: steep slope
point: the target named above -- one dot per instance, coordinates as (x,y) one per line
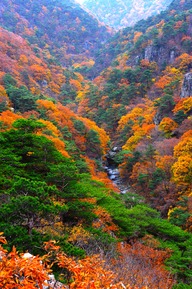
(61,29)
(120,14)
(124,41)
(138,57)
(144,101)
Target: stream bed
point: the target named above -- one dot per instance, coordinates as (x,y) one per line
(111,168)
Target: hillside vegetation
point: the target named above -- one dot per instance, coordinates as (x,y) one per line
(71,91)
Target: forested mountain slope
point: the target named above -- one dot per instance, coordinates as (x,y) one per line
(145,97)
(120,14)
(63,30)
(57,128)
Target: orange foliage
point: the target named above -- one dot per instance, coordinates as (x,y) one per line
(89,272)
(182,170)
(137,34)
(141,119)
(8,117)
(178,24)
(47,104)
(63,116)
(78,234)
(184,60)
(23,59)
(122,60)
(164,163)
(185,145)
(76,84)
(132,142)
(99,81)
(104,221)
(59,144)
(141,168)
(160,24)
(171,74)
(3,92)
(143,113)
(39,72)
(19,272)
(133,115)
(54,87)
(145,63)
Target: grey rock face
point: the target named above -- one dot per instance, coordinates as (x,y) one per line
(160,54)
(186,89)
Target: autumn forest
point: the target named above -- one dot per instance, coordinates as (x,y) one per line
(95,148)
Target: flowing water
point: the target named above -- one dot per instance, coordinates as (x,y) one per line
(112,170)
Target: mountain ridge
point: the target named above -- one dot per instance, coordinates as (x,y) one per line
(120,14)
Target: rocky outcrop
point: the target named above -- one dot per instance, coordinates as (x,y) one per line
(186,89)
(160,54)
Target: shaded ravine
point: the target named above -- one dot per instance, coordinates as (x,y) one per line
(111,167)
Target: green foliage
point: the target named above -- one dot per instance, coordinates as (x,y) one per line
(157,177)
(180,213)
(21,97)
(165,104)
(180,116)
(131,199)
(182,286)
(9,80)
(70,249)
(28,125)
(180,261)
(3,106)
(79,126)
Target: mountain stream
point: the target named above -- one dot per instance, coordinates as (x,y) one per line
(112,170)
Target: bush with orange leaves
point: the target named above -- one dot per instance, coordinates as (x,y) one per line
(32,273)
(18,272)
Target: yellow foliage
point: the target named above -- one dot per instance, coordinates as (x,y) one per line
(182,170)
(184,147)
(78,233)
(3,92)
(133,140)
(23,59)
(184,104)
(167,125)
(133,115)
(50,126)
